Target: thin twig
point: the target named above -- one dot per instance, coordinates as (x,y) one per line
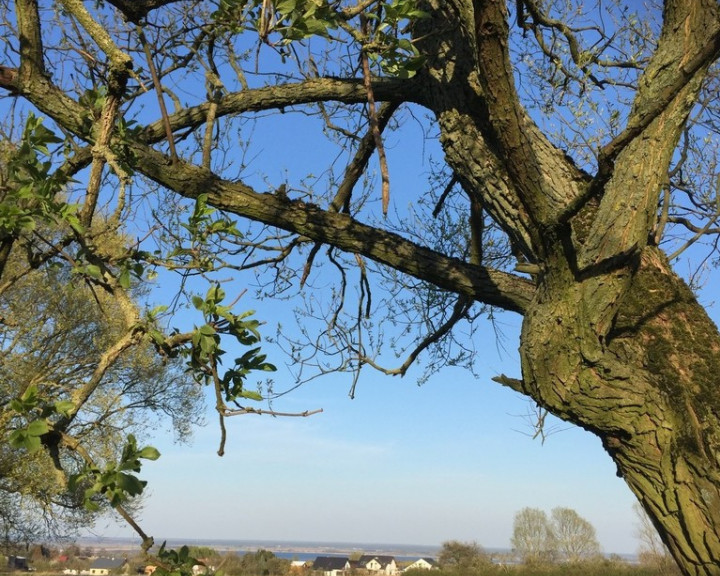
(248,410)
(374,126)
(454,180)
(159,92)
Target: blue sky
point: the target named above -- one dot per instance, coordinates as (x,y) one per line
(451,459)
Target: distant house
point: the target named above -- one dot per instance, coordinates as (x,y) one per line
(298,565)
(384,564)
(105,566)
(423,564)
(332,565)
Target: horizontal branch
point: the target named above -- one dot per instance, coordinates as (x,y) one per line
(493,287)
(249,410)
(348,91)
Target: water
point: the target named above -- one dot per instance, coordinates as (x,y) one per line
(293,550)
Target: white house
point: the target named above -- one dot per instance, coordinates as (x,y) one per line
(423,564)
(104,566)
(378,564)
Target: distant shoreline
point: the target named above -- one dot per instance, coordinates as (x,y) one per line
(290,549)
(275,546)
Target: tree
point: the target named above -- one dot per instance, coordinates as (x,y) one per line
(574,536)
(462,557)
(579,150)
(533,538)
(264,563)
(56,337)
(81,377)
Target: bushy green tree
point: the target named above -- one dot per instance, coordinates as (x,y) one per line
(462,557)
(86,370)
(263,563)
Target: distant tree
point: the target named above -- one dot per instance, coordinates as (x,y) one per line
(203,552)
(263,563)
(462,557)
(574,537)
(533,539)
(72,551)
(230,564)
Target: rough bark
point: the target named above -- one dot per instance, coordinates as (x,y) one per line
(614,341)
(651,396)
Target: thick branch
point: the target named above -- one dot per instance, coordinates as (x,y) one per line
(493,147)
(31,47)
(485,285)
(349,91)
(658,96)
(627,214)
(543,177)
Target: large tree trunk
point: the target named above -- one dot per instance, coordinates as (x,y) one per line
(649,391)
(613,341)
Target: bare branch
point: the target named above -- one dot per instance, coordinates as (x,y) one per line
(350,91)
(248,410)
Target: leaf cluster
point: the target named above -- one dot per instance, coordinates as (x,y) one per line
(281,23)
(205,351)
(37,413)
(29,186)
(116,480)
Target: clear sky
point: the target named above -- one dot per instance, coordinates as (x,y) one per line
(451,459)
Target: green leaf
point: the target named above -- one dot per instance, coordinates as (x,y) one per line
(149,453)
(64,407)
(30,396)
(250,395)
(130,484)
(18,438)
(93,271)
(215,294)
(155,312)
(21,439)
(124,279)
(207,330)
(157,337)
(38,428)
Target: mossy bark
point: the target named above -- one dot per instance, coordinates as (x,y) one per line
(649,390)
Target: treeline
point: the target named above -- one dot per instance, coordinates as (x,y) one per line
(559,543)
(470,559)
(604,567)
